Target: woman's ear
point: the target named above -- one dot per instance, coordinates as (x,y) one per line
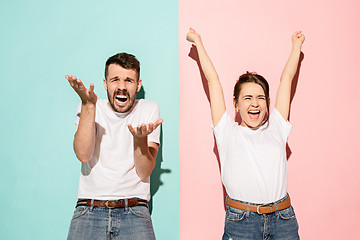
(235,105)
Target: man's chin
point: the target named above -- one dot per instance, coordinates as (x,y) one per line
(121,109)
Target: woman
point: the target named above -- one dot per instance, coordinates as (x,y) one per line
(253,154)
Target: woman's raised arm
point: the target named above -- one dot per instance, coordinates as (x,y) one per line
(284,91)
(217,102)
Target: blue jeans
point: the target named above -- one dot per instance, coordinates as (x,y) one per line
(130,223)
(248,225)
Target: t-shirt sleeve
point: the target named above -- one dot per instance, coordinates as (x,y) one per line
(77,116)
(222,129)
(284,127)
(155,115)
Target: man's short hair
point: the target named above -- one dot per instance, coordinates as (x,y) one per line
(125,60)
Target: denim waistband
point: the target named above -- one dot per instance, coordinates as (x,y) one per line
(261,204)
(121,203)
(135,198)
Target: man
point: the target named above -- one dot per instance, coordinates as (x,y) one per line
(117,141)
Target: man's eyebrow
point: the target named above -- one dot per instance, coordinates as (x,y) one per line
(116,77)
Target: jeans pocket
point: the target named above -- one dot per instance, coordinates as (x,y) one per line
(80,211)
(140,211)
(287,213)
(235,214)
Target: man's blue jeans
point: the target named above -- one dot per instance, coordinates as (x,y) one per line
(247,225)
(130,223)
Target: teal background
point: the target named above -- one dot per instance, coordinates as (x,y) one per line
(41,41)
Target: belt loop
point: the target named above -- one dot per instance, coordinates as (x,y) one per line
(248,210)
(276,209)
(126,204)
(92,205)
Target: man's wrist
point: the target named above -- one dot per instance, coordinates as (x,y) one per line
(140,140)
(88,106)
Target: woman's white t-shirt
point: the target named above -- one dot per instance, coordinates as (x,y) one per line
(253,162)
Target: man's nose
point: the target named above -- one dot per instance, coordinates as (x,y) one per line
(121,85)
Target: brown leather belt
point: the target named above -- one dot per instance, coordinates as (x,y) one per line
(260,209)
(112,203)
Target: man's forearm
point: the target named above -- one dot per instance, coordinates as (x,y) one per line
(144,157)
(84,140)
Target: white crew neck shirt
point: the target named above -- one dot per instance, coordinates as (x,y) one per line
(111,173)
(253,162)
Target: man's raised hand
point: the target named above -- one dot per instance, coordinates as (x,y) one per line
(86,95)
(143,130)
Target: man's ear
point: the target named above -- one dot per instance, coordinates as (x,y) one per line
(105,84)
(139,85)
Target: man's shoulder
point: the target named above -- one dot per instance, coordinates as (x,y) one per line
(102,102)
(146,107)
(145,103)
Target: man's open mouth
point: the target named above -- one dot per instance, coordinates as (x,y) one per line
(121,99)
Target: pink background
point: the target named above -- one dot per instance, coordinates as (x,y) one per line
(256,36)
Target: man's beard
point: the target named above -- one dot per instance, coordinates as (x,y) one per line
(129,99)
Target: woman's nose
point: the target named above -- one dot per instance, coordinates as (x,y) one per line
(254,103)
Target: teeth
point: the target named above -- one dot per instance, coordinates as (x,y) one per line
(254,112)
(121,97)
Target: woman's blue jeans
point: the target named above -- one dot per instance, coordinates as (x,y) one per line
(130,223)
(247,225)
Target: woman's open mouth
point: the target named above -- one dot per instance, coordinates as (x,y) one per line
(254,114)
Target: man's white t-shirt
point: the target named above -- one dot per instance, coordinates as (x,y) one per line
(253,162)
(111,173)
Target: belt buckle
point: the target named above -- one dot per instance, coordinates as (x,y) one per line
(107,203)
(266,205)
(258,209)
